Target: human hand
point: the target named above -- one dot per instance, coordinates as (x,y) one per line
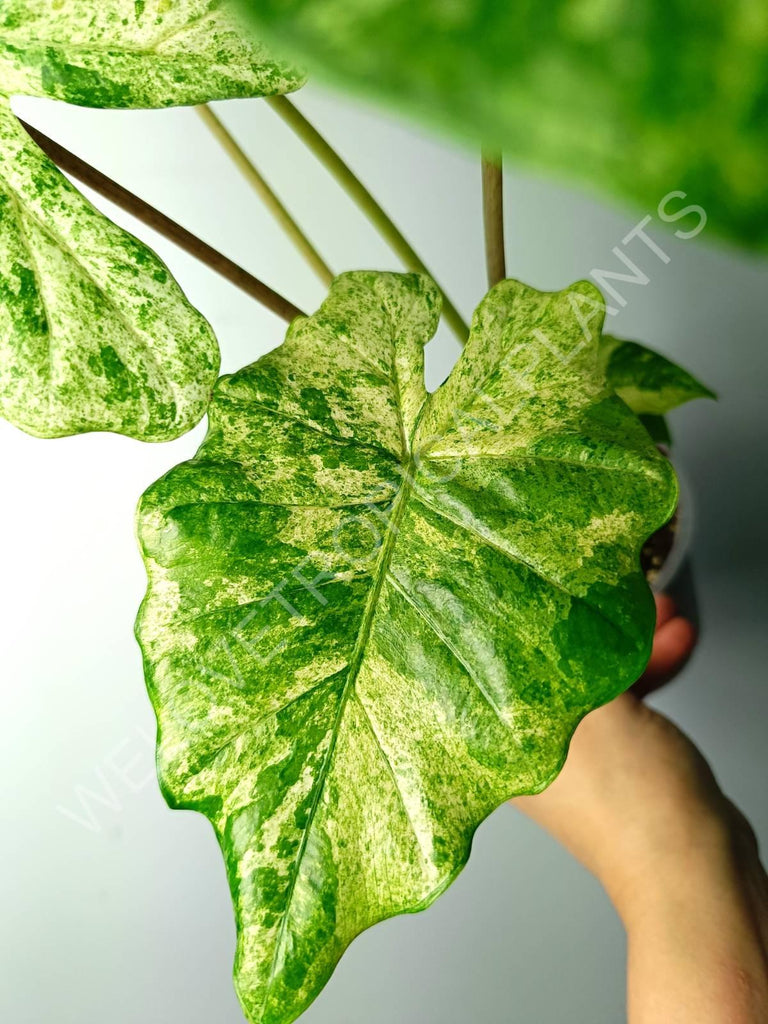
(639,806)
(632,783)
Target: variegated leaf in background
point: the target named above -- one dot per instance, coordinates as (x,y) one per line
(94,332)
(134,53)
(374,614)
(648,382)
(637,98)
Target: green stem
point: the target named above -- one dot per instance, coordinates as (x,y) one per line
(493,217)
(248,169)
(360,194)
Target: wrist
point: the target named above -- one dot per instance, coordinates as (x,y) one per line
(697,931)
(710,869)
(676,862)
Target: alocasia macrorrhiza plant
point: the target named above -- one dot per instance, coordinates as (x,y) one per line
(373,613)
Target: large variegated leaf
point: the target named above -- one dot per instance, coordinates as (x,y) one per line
(648,382)
(374,615)
(639,98)
(134,53)
(94,332)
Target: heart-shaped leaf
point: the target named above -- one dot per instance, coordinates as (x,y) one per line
(374,615)
(641,99)
(94,332)
(134,53)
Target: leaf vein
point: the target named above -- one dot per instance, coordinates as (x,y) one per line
(400,588)
(400,796)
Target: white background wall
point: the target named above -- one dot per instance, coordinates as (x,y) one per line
(124,915)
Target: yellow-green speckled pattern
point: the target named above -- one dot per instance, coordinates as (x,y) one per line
(94,332)
(648,382)
(374,615)
(134,53)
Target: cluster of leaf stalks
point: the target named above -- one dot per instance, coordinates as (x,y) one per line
(236,275)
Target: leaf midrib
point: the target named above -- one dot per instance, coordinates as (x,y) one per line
(380,576)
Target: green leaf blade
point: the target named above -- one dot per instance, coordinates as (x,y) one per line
(94,332)
(358,650)
(647,381)
(120,54)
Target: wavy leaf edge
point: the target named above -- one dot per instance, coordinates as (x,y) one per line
(549,770)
